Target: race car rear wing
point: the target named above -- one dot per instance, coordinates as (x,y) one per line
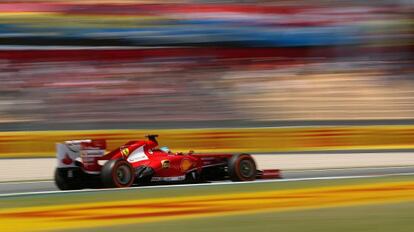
(84,151)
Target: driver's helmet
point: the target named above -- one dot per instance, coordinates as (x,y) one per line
(165,149)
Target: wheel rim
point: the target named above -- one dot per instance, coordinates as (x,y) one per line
(123,175)
(246,168)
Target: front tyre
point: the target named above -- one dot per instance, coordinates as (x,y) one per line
(242,168)
(117,174)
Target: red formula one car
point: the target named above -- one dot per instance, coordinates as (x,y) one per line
(84,164)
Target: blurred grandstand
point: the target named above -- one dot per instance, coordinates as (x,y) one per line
(68,62)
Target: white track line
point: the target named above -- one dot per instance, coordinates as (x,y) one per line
(289,171)
(350,169)
(200,185)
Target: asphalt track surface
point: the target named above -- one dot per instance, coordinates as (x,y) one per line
(47,186)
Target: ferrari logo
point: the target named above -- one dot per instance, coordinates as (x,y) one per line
(165,163)
(186,164)
(125,152)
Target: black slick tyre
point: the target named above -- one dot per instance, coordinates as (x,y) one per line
(242,168)
(67,179)
(117,174)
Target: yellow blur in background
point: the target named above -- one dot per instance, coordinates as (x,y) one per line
(254,140)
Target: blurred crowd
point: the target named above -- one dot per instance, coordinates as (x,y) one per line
(129,61)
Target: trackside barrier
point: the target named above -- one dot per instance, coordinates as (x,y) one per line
(253,140)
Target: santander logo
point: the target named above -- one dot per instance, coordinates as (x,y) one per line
(67,160)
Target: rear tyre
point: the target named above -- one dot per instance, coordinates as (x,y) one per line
(242,168)
(68,178)
(117,174)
